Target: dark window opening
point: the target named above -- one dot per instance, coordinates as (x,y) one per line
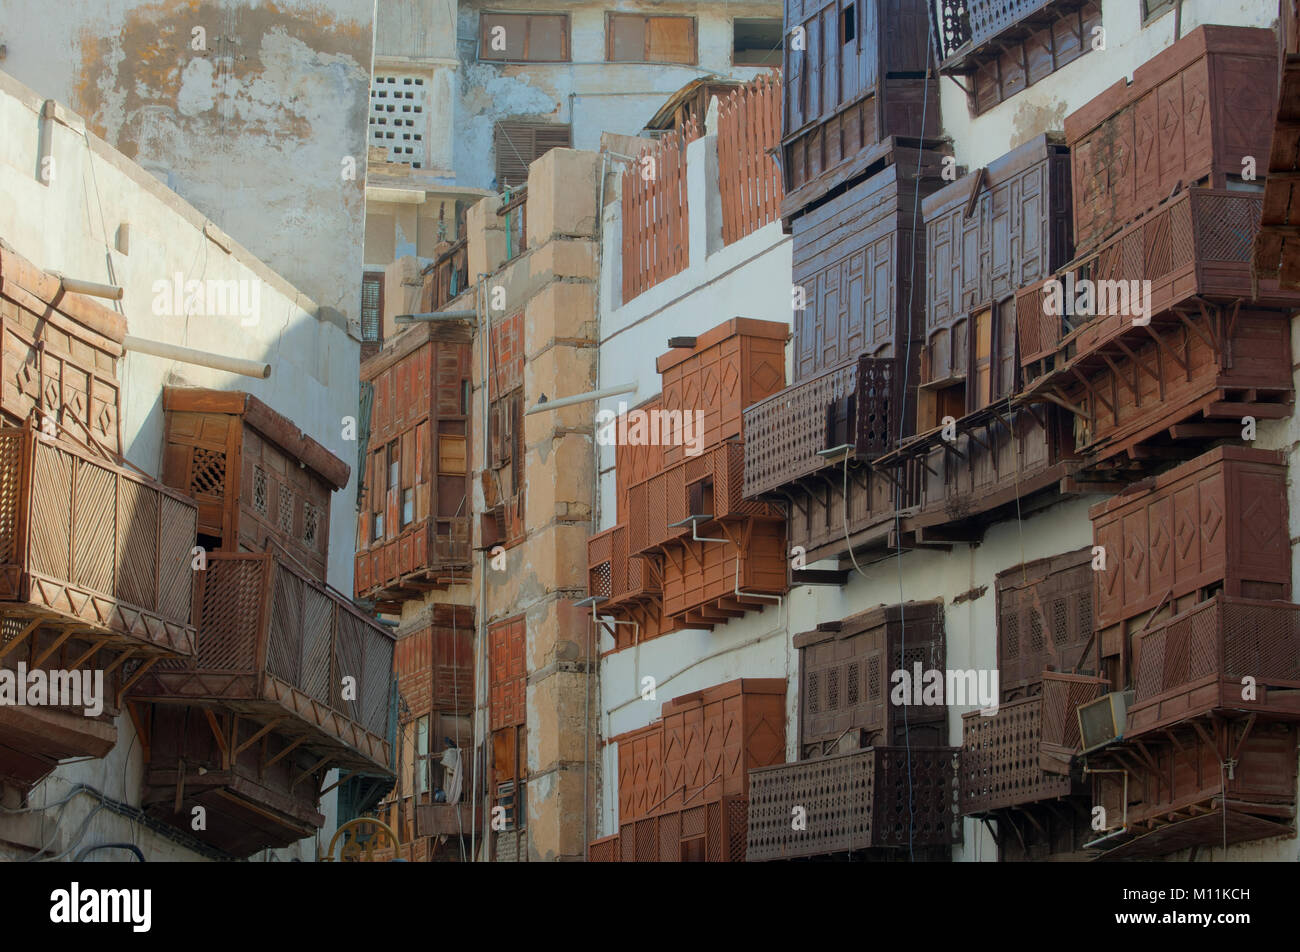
(756,42)
(848,24)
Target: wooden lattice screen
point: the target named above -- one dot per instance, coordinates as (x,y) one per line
(749,125)
(656,222)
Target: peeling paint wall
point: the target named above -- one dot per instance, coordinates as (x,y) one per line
(253,128)
(590,94)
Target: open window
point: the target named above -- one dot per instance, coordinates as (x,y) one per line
(756,42)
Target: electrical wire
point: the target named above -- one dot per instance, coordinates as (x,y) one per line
(898,486)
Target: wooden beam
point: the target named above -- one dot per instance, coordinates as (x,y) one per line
(139,673)
(343,779)
(284,753)
(92,650)
(119,661)
(1165,348)
(1199,431)
(219,735)
(68,631)
(20,637)
(263,731)
(1263,411)
(311,770)
(141,729)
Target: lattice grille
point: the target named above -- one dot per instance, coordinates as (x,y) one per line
(95,526)
(259,489)
(318,616)
(1011,626)
(1226,226)
(175,558)
(876,407)
(853,682)
(627,843)
(814,692)
(1262,641)
(51,512)
(1035,631)
(693,821)
(785,432)
(11,460)
(137,543)
(207,472)
(670,837)
(229,615)
(284,650)
(374,686)
(999,760)
(349,658)
(1062,697)
(737,827)
(873,679)
(311,518)
(288,499)
(714,839)
(647,840)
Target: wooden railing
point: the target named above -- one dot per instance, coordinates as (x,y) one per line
(977,21)
(749,179)
(656,219)
(91,541)
(1197,662)
(272,639)
(852,802)
(999,759)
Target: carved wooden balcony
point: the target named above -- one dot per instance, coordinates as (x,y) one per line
(414,530)
(1197,662)
(95,576)
(855,801)
(1208,355)
(93,548)
(1021,754)
(999,759)
(1007,45)
(277,646)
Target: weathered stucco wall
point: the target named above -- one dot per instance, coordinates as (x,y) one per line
(592,95)
(253,129)
(1045,104)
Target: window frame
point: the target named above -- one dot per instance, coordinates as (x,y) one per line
(566,36)
(611,16)
(777,51)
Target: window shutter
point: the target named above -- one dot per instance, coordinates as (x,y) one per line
(372,306)
(518,144)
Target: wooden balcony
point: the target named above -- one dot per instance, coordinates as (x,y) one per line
(855,801)
(93,548)
(274,645)
(1000,765)
(1007,45)
(447,819)
(1194,664)
(1208,356)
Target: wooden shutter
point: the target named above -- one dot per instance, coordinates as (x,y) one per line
(626,43)
(982,360)
(540,38)
(670,40)
(519,144)
(516,29)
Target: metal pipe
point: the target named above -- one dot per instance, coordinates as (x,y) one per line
(111,291)
(582,398)
(429,317)
(200,358)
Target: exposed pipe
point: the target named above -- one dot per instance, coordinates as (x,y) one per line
(200,358)
(581,398)
(111,291)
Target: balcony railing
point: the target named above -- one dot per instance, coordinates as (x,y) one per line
(999,759)
(275,643)
(785,433)
(1197,662)
(855,801)
(960,22)
(612,574)
(87,542)
(1063,695)
(1199,244)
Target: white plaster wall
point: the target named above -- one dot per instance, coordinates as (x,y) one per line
(62,226)
(592,95)
(1044,105)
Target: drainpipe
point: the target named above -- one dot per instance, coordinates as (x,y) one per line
(695,521)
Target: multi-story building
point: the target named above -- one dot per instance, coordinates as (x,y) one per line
(178,423)
(1031,463)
